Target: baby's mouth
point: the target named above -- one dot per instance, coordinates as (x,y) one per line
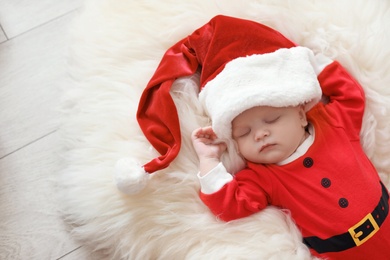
(266,146)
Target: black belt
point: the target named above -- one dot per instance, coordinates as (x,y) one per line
(356,235)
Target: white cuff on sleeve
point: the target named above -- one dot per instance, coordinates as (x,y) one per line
(214,180)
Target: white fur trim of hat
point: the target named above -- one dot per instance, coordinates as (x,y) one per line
(286,77)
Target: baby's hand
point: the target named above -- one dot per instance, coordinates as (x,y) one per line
(204,142)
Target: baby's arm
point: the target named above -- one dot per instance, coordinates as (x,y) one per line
(346,98)
(208,150)
(227,197)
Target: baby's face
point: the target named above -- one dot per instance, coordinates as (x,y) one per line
(269,134)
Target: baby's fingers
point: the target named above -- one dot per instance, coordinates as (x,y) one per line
(206,132)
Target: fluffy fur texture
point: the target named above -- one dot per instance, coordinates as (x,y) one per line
(116,46)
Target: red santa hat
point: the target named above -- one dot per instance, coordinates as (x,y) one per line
(242,64)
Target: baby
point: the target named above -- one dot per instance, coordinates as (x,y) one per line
(262,93)
(304,157)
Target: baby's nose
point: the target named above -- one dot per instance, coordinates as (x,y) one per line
(260,134)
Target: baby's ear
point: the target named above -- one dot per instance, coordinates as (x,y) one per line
(302,115)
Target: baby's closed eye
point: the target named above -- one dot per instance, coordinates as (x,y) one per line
(272,120)
(241,132)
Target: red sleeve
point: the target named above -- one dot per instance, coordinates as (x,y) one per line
(239,198)
(346,106)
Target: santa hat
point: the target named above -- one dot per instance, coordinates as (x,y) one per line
(242,64)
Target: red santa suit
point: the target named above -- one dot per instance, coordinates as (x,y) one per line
(332,189)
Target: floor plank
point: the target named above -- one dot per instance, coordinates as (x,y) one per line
(32,67)
(31,226)
(20,16)
(3,38)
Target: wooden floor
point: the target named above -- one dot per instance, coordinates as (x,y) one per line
(33,46)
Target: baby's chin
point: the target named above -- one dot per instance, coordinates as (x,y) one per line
(272,160)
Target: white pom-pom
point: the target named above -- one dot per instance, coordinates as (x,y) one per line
(130,177)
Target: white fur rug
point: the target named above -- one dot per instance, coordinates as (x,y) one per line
(116,46)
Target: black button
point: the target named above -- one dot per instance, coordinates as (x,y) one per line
(343,202)
(325,182)
(308,162)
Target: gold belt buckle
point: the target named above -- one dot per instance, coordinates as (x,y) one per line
(356,234)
